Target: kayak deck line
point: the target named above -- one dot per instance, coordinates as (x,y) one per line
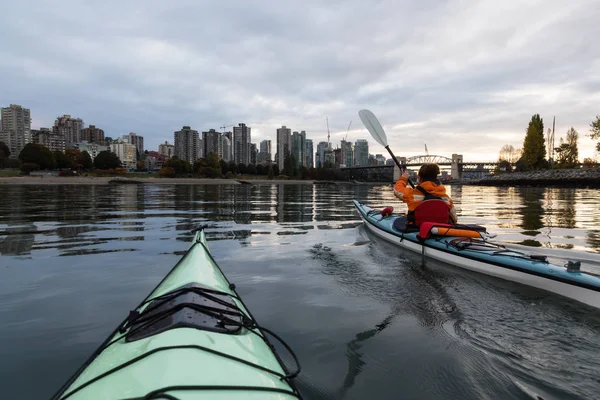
(190,308)
(485,257)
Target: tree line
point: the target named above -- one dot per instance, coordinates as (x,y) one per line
(35,157)
(537,149)
(213,167)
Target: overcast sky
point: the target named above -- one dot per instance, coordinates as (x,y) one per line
(460,76)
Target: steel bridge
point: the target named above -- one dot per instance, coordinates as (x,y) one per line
(459,169)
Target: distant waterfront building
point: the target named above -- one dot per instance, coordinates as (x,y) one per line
(93,149)
(284,138)
(226,148)
(69,127)
(347,154)
(309,154)
(322,147)
(361,153)
(253,153)
(91,134)
(329,157)
(166,149)
(137,141)
(380,159)
(372,160)
(299,147)
(154,161)
(15,128)
(241,144)
(212,143)
(201,153)
(265,147)
(337,156)
(187,144)
(264,155)
(52,140)
(126,153)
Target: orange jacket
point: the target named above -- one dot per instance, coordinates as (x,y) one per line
(413,197)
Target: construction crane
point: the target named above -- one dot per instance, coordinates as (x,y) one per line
(328,144)
(347,130)
(224,127)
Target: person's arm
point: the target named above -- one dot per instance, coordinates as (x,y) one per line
(400,189)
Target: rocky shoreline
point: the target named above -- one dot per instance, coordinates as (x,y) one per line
(554,177)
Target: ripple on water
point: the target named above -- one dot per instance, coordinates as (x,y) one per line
(365,320)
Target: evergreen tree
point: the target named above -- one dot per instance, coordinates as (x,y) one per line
(107,160)
(85,160)
(4,154)
(567,154)
(534,149)
(38,154)
(595,131)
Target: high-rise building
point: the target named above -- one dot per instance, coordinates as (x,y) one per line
(347,154)
(361,153)
(91,134)
(372,160)
(253,151)
(226,148)
(201,153)
(284,138)
(322,147)
(93,149)
(52,140)
(265,147)
(212,143)
(126,153)
(166,149)
(137,141)
(380,159)
(299,147)
(15,128)
(69,127)
(337,156)
(264,155)
(187,144)
(241,144)
(309,154)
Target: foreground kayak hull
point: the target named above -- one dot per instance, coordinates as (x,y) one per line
(505,264)
(151,356)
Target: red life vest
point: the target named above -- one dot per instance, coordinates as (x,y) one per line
(431,209)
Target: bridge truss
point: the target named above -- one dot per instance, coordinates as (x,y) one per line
(418,160)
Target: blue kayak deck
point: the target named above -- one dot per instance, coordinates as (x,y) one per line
(498,256)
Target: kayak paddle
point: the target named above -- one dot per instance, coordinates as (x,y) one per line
(376,130)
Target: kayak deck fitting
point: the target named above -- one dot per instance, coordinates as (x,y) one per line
(489,258)
(191,338)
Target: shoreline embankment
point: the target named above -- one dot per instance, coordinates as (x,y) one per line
(552,177)
(111,180)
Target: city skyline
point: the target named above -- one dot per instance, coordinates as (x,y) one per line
(70,132)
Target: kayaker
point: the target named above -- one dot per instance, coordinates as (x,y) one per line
(428,201)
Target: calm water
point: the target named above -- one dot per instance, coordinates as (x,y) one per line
(365,320)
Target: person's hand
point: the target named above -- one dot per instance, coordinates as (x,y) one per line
(405,175)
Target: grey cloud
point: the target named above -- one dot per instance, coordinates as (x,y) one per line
(466,76)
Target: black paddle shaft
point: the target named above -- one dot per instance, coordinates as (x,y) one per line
(398,164)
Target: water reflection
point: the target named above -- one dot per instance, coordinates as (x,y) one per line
(18,241)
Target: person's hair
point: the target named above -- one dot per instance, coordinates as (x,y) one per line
(429,172)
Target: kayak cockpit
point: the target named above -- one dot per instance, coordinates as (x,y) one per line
(190,306)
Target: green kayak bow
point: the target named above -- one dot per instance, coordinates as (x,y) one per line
(191,338)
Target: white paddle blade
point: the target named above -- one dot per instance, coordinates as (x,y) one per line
(373,126)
